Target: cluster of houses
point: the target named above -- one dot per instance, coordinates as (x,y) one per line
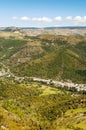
(79,87)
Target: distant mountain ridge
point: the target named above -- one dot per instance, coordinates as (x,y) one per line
(52,27)
(34,31)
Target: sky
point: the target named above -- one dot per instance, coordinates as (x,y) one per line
(42,13)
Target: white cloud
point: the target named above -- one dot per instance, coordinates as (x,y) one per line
(46,19)
(14,18)
(58,18)
(69,18)
(36,19)
(77,18)
(42,19)
(57,25)
(84,18)
(25,18)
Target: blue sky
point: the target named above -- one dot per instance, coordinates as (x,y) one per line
(41,13)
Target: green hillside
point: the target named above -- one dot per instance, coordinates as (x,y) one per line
(51,57)
(29,105)
(35,106)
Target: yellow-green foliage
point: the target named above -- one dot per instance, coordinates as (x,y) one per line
(59,60)
(29,105)
(35,106)
(71,112)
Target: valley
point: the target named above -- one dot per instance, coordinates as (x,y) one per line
(42,80)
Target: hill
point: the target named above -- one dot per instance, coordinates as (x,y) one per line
(26,104)
(34,106)
(46,56)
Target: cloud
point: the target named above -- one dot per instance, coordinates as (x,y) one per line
(14,18)
(25,18)
(36,19)
(42,19)
(69,18)
(78,18)
(84,18)
(58,18)
(46,19)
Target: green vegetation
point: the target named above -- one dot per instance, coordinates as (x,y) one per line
(46,57)
(60,60)
(9,47)
(35,106)
(29,105)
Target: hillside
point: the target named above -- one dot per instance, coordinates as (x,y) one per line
(46,56)
(34,106)
(29,104)
(34,31)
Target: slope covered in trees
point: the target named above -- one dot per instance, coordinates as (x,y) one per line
(34,106)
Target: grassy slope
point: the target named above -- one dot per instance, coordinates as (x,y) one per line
(36,106)
(61,61)
(46,56)
(9,47)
